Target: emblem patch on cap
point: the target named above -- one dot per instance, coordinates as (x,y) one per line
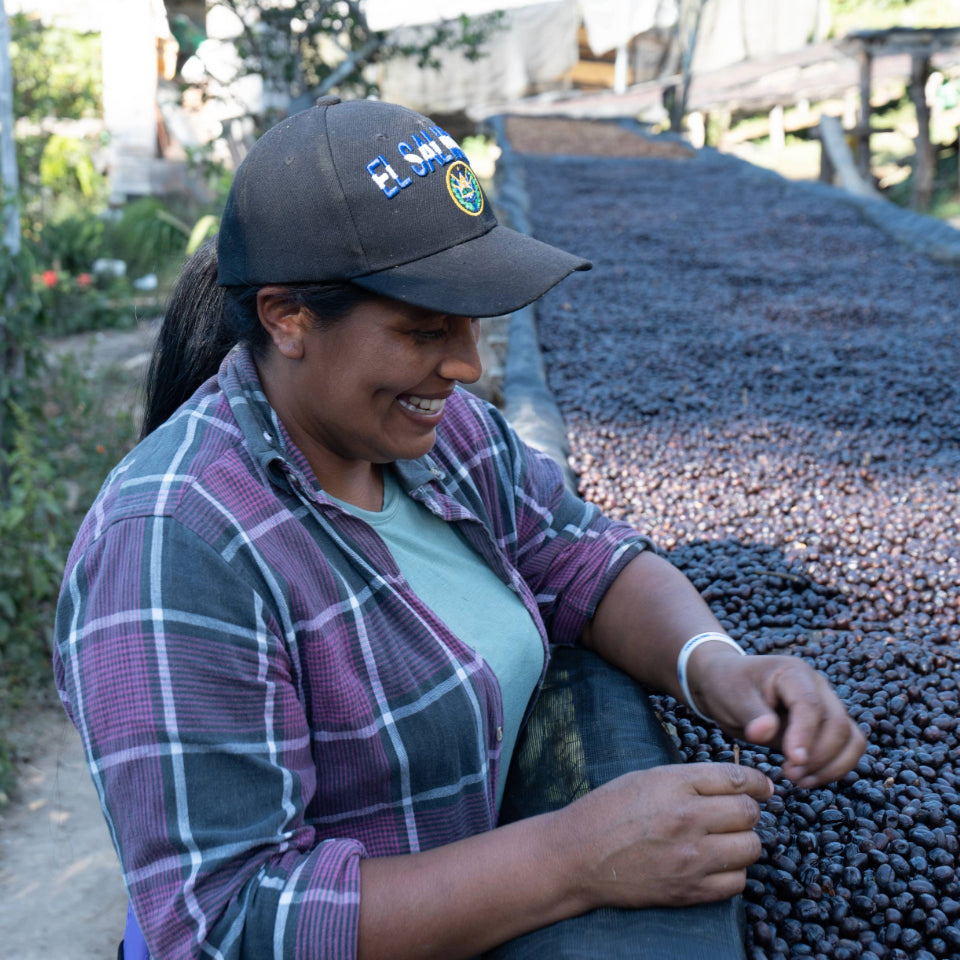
(465,189)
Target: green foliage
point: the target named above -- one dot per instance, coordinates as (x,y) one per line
(309,47)
(57,76)
(21,324)
(56,72)
(66,164)
(58,181)
(849,15)
(81,302)
(33,530)
(148,234)
(65,434)
(73,243)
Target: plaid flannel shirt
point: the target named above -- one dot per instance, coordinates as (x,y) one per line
(262,698)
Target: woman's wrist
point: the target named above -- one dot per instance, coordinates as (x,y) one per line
(694,686)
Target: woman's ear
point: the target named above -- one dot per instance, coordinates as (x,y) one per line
(285,322)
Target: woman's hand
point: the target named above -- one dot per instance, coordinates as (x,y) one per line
(780,702)
(669,836)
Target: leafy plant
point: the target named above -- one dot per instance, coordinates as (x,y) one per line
(73,243)
(306,48)
(57,72)
(66,429)
(75,303)
(147,234)
(32,535)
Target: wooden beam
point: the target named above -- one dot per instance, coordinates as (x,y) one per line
(863,126)
(923,162)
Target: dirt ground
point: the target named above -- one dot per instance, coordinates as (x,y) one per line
(61,894)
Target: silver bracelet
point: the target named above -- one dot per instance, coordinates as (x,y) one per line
(684,656)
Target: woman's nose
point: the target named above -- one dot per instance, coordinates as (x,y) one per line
(462,359)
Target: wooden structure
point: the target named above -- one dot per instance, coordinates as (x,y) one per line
(921,45)
(837,165)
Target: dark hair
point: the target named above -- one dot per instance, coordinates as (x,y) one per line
(203,321)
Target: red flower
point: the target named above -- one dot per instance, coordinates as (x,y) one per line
(49,278)
(84,279)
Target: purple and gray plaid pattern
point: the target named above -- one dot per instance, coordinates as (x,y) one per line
(262,698)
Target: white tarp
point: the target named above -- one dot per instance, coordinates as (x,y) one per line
(390,14)
(608,23)
(735,30)
(536,47)
(611,23)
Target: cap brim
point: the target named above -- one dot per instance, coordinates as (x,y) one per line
(490,275)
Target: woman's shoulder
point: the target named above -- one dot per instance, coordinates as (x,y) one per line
(161,471)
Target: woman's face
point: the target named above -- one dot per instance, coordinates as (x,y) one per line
(371,387)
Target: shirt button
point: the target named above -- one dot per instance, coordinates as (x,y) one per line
(499,734)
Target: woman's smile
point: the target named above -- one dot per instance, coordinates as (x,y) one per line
(369,388)
(423,408)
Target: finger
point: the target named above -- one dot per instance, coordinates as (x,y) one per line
(830,740)
(722,886)
(842,761)
(734,813)
(800,690)
(732,851)
(716,779)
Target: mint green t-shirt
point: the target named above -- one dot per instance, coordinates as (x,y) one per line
(451,578)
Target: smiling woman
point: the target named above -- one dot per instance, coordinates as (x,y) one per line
(309,619)
(365,391)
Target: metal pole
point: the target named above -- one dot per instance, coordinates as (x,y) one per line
(8,149)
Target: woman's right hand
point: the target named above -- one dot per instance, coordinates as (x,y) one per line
(670,836)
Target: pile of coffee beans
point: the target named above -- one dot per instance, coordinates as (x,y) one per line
(770,387)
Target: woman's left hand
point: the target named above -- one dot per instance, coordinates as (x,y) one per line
(782,702)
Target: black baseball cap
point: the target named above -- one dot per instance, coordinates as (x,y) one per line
(380,196)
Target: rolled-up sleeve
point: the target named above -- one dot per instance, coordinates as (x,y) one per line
(566,550)
(174,668)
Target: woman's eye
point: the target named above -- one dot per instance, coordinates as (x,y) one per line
(427,335)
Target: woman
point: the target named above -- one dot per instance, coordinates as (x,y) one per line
(307,616)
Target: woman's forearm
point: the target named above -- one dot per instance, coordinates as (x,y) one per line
(463,898)
(669,836)
(646,616)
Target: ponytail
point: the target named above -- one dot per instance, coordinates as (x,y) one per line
(204,320)
(192,342)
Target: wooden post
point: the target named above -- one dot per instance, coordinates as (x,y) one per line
(778,134)
(828,172)
(923,164)
(863,127)
(620,69)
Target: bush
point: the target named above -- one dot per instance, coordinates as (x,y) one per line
(33,528)
(64,437)
(147,235)
(73,244)
(77,303)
